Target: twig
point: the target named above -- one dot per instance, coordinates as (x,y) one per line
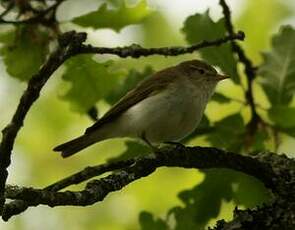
(87,173)
(249,69)
(39,18)
(7,10)
(262,166)
(70,44)
(137,51)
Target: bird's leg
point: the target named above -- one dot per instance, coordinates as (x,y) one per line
(178,145)
(155,149)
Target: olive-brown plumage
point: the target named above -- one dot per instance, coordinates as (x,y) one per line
(165,107)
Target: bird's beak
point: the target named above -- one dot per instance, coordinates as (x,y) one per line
(220,77)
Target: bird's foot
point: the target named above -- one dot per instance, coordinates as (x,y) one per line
(177,145)
(155,149)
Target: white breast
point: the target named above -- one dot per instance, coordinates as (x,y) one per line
(166,116)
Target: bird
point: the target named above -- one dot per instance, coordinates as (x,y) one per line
(164,107)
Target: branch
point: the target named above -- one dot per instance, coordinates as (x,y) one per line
(70,44)
(265,167)
(18,206)
(279,214)
(249,68)
(137,51)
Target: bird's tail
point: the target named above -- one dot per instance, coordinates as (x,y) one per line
(71,147)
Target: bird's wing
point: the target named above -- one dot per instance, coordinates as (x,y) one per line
(152,85)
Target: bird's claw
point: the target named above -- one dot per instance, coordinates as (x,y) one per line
(177,145)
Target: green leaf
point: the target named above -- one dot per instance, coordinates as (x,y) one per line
(278,70)
(258,140)
(249,191)
(128,83)
(201,203)
(201,27)
(148,222)
(220,98)
(24,50)
(257,30)
(229,133)
(289,131)
(282,116)
(90,81)
(114,19)
(157,25)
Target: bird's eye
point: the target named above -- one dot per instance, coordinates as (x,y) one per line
(201,71)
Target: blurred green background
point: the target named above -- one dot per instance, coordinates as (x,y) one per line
(170,196)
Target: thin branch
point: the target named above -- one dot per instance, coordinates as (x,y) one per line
(137,51)
(87,173)
(262,166)
(38,18)
(70,44)
(249,69)
(18,206)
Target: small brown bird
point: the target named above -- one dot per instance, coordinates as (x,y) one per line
(165,107)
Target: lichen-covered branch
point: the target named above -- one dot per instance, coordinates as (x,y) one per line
(18,206)
(279,214)
(137,51)
(265,167)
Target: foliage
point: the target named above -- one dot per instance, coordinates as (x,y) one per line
(283,118)
(147,222)
(278,70)
(197,27)
(258,29)
(114,19)
(96,78)
(127,83)
(202,203)
(24,50)
(229,133)
(220,98)
(278,79)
